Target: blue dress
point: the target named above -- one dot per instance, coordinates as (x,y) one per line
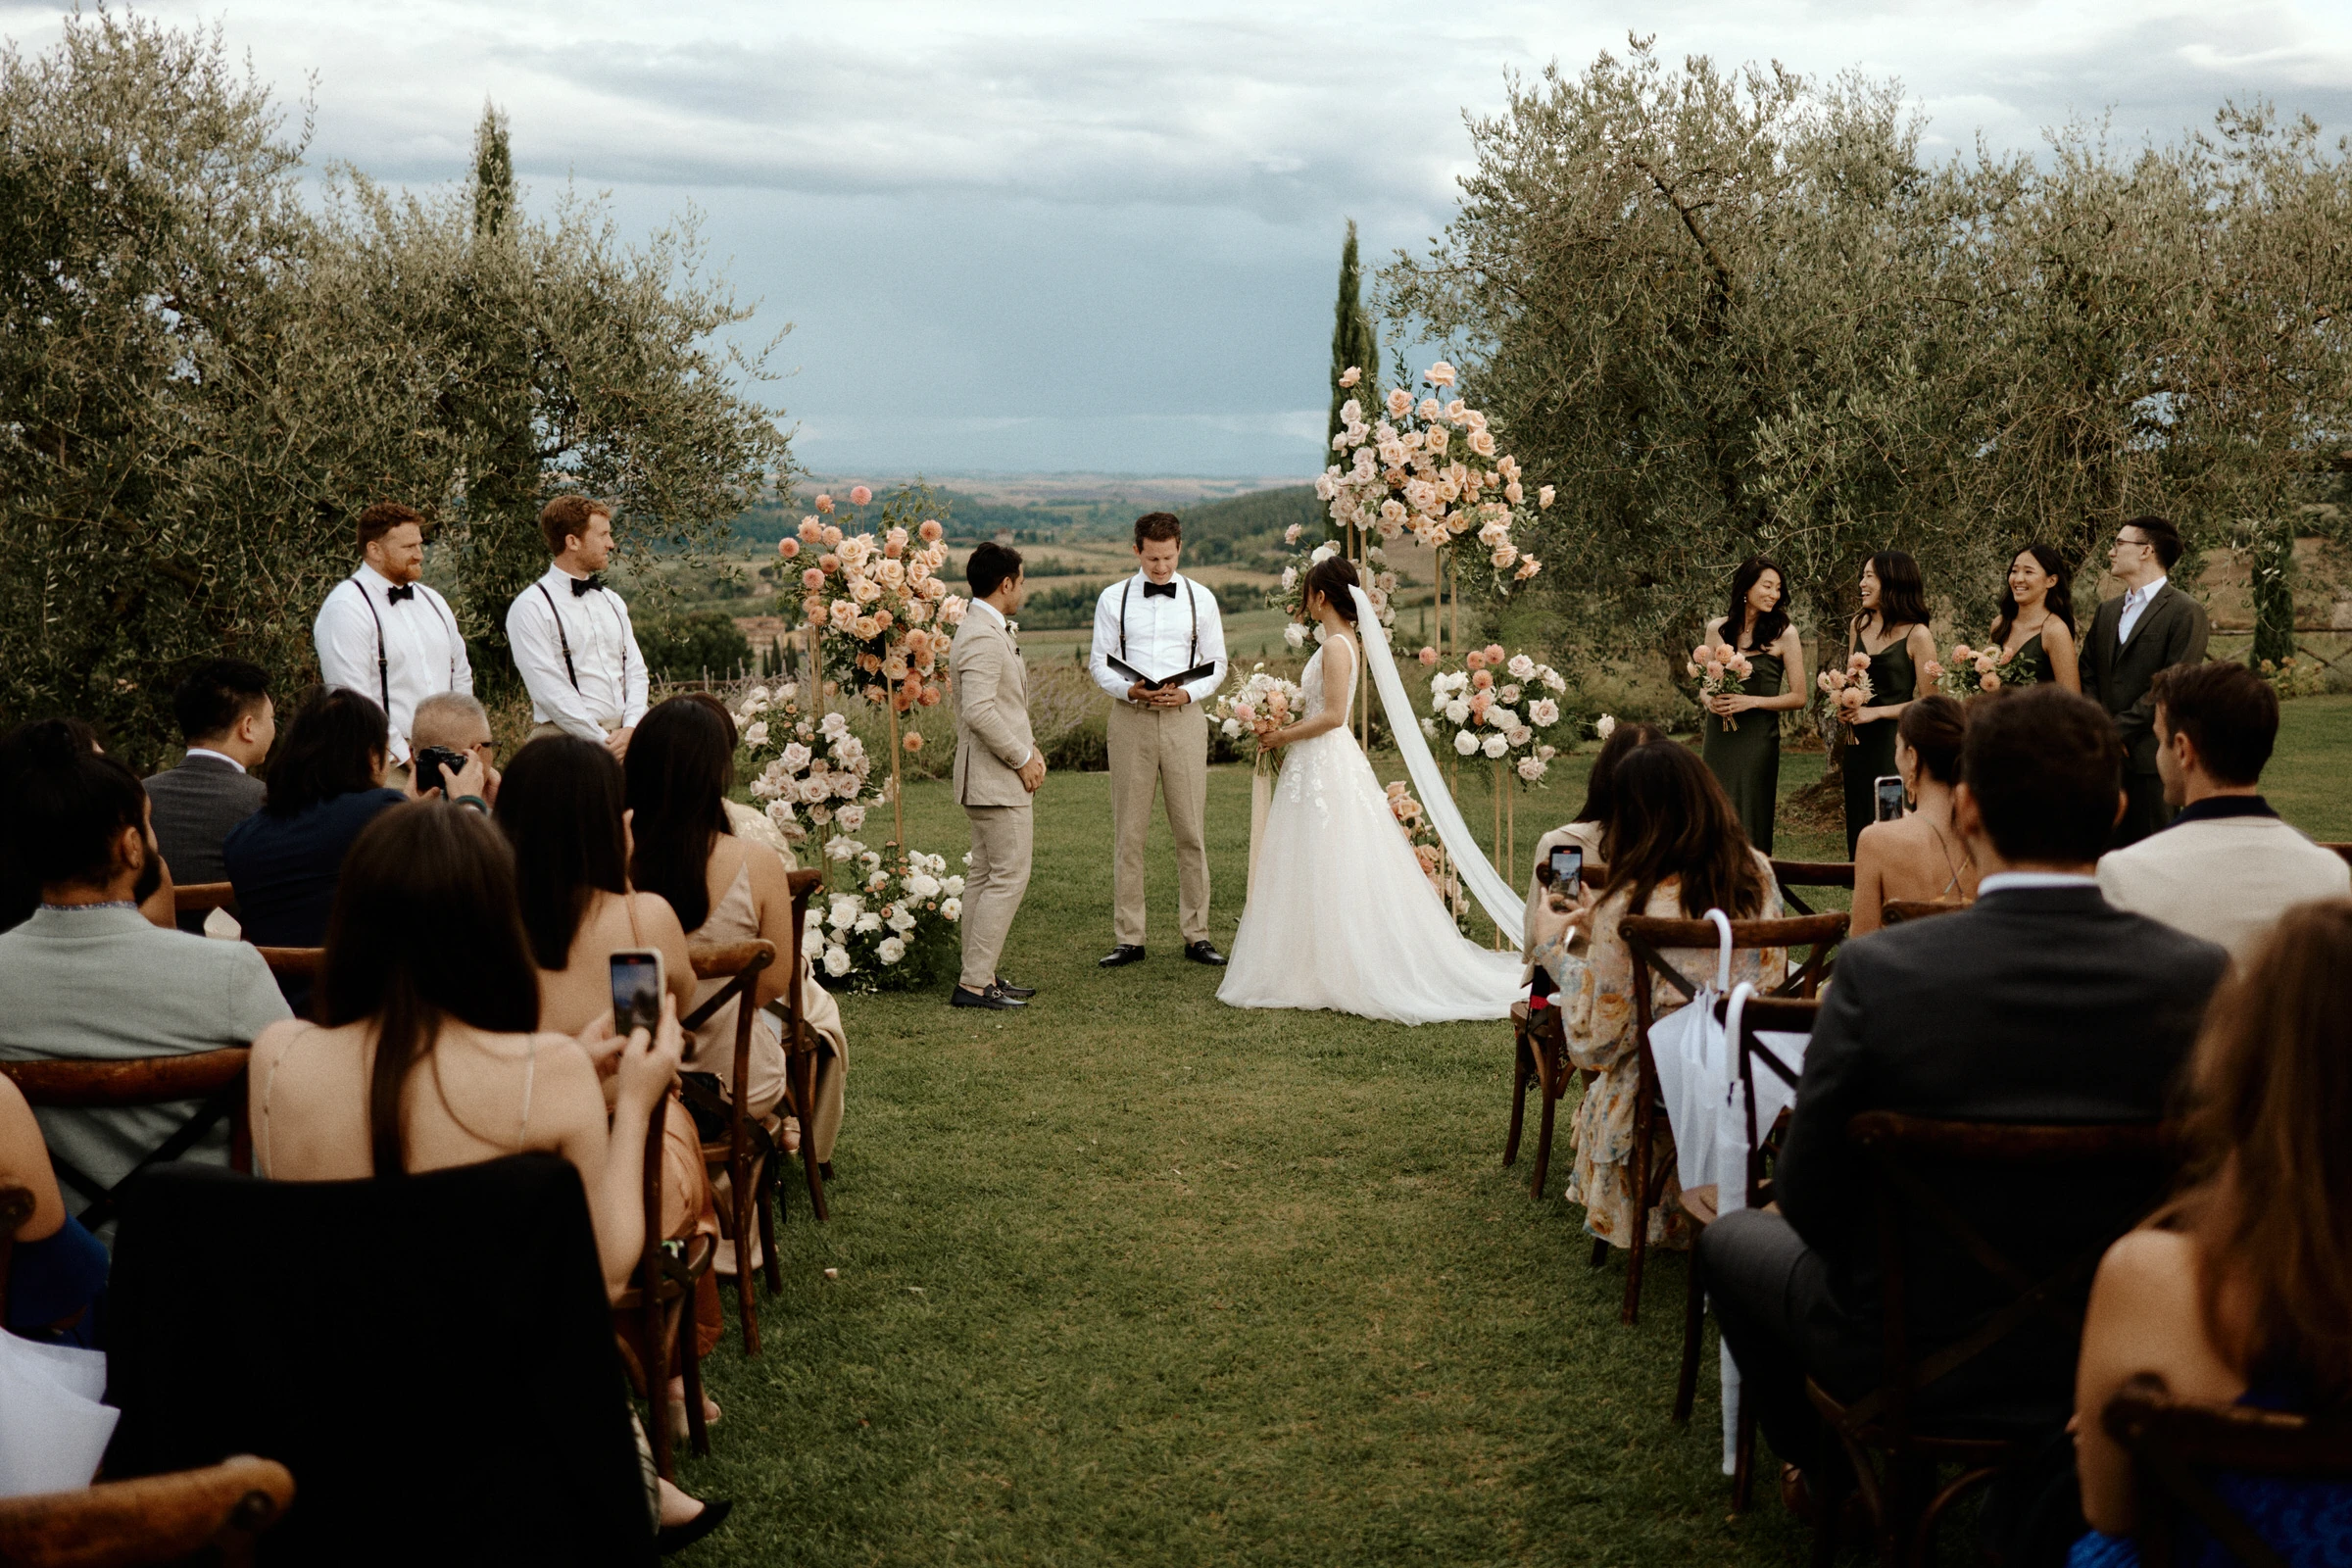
(57,1288)
(2308,1523)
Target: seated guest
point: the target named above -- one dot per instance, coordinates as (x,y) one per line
(2038,1003)
(428,1053)
(90,978)
(1675,849)
(23,748)
(2240,1291)
(458,723)
(2226,866)
(56,1270)
(225,713)
(1587,830)
(680,766)
(1918,856)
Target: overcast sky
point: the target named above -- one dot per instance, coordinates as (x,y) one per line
(1033,236)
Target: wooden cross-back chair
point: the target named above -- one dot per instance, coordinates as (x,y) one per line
(1889,1451)
(661,1301)
(215,1079)
(2170,1441)
(212,1515)
(1647,938)
(295,963)
(1795,874)
(1538,1055)
(191,902)
(1761,1015)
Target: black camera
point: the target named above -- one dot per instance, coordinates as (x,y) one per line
(430,763)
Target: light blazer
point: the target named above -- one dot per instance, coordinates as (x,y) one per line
(2170,631)
(2224,879)
(992,713)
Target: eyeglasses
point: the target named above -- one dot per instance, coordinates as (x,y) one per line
(2133,544)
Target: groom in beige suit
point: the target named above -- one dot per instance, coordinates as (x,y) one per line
(998,769)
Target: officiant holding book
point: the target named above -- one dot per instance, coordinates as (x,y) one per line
(1160,652)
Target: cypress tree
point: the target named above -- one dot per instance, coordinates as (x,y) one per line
(1353,342)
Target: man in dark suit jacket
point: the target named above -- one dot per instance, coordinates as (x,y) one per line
(2040,1004)
(225,713)
(2151,627)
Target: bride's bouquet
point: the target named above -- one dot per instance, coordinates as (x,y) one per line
(1848,689)
(1720,670)
(1976,670)
(1258,704)
(1495,705)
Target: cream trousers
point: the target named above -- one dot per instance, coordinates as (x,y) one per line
(1162,751)
(1001,836)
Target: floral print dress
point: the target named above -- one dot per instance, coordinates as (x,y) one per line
(1596,987)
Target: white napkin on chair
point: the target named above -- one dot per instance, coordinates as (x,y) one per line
(53,1431)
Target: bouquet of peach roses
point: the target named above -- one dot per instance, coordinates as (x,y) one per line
(1258,704)
(1850,689)
(1720,670)
(1977,669)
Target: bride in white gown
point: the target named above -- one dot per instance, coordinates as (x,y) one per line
(1339,915)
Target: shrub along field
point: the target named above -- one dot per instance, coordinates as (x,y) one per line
(1132,1277)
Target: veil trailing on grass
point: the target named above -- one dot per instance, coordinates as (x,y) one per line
(1503,905)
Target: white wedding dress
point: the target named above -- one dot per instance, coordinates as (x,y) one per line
(1339,915)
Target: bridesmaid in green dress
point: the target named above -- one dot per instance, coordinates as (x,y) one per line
(2037,622)
(1745,752)
(1893,630)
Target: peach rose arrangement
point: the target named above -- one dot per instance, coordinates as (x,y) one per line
(1257,703)
(1721,671)
(1847,689)
(1974,671)
(811,772)
(1498,706)
(1430,466)
(876,597)
(1422,834)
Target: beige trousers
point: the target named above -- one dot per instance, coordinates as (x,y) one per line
(1162,750)
(1002,837)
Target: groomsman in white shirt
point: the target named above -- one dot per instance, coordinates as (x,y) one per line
(383,633)
(1158,624)
(571,636)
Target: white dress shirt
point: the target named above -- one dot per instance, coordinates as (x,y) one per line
(600,687)
(981,607)
(218,757)
(1163,635)
(417,639)
(2134,603)
(2002,881)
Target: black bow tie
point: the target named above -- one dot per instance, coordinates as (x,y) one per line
(393,595)
(586,585)
(1159,590)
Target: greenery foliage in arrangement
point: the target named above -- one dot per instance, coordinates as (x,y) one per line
(203,378)
(1730,312)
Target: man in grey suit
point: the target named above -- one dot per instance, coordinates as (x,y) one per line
(2039,1002)
(998,769)
(226,718)
(2151,627)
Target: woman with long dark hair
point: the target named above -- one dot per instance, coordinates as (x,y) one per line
(1745,755)
(2036,619)
(1587,831)
(1920,855)
(2240,1290)
(1675,849)
(1891,634)
(1340,914)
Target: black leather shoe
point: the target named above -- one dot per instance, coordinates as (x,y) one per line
(1016,992)
(673,1539)
(991,998)
(1120,956)
(1202,952)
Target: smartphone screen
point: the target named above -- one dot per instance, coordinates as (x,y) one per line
(1891,797)
(1568,869)
(636,991)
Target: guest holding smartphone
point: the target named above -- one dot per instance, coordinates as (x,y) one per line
(1920,855)
(2036,621)
(1891,632)
(1745,754)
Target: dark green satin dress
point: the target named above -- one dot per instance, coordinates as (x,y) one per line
(1746,760)
(2035,658)
(1870,754)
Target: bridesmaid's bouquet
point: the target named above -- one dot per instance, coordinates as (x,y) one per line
(1258,704)
(1975,671)
(1848,689)
(1721,671)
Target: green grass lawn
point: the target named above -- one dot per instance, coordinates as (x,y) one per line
(1134,1278)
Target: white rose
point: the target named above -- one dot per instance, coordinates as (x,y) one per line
(1295,635)
(1496,746)
(1530,768)
(841,849)
(1519,734)
(779,813)
(1289,578)
(795,758)
(1429,727)
(1464,742)
(868,921)
(1232,728)
(923,886)
(891,950)
(954,886)
(755,736)
(820,814)
(1543,713)
(850,817)
(837,961)
(1606,728)
(951,910)
(1322,552)
(1457,711)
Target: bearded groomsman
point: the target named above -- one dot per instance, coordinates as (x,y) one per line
(571,636)
(383,633)
(1149,629)
(2151,627)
